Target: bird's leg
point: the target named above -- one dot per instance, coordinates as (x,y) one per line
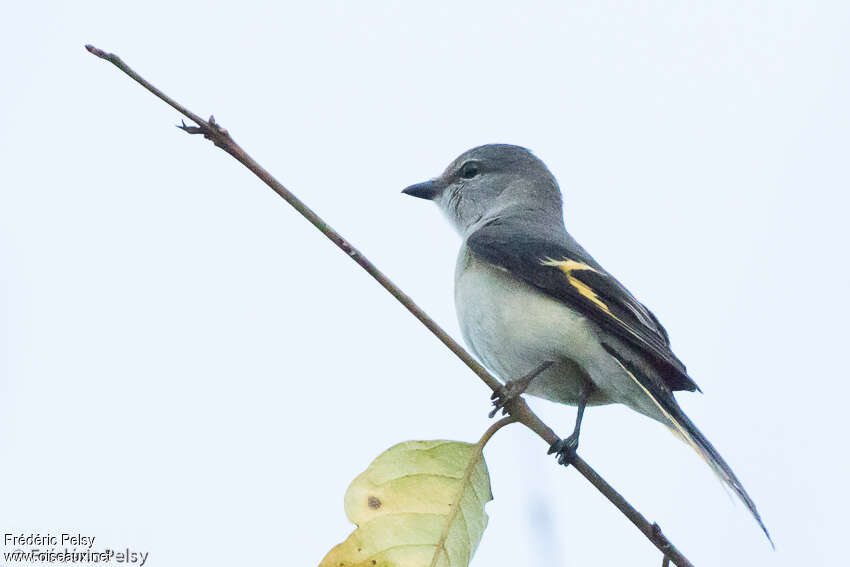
(514,388)
(566,448)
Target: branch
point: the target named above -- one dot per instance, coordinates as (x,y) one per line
(517,407)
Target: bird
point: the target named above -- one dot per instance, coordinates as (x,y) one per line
(541,313)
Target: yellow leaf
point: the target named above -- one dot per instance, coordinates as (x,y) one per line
(419,504)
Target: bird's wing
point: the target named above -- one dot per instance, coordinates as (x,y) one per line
(563,270)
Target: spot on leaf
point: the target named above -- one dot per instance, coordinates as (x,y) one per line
(430,511)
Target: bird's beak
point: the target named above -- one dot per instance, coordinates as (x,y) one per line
(427,190)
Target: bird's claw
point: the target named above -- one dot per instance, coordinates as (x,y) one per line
(513,389)
(503,396)
(565,449)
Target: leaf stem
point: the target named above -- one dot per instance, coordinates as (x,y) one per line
(494,428)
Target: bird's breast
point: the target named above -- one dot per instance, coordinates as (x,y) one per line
(513,327)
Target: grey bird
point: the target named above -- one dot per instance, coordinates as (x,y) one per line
(542,314)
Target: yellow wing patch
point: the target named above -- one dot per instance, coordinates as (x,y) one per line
(570,266)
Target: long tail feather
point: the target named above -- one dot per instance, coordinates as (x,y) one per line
(681,425)
(694,437)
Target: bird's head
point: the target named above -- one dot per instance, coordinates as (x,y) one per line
(491,181)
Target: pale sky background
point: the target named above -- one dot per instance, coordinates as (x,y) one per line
(188,368)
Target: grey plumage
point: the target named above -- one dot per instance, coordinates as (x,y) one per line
(526,292)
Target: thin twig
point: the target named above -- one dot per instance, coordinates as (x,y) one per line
(518,408)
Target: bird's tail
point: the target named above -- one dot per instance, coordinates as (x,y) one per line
(684,428)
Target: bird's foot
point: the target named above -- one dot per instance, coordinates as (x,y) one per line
(565,449)
(505,395)
(513,389)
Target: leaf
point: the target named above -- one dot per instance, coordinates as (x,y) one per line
(419,504)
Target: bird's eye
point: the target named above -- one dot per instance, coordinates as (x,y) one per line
(469,170)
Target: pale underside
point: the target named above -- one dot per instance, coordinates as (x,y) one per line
(513,327)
